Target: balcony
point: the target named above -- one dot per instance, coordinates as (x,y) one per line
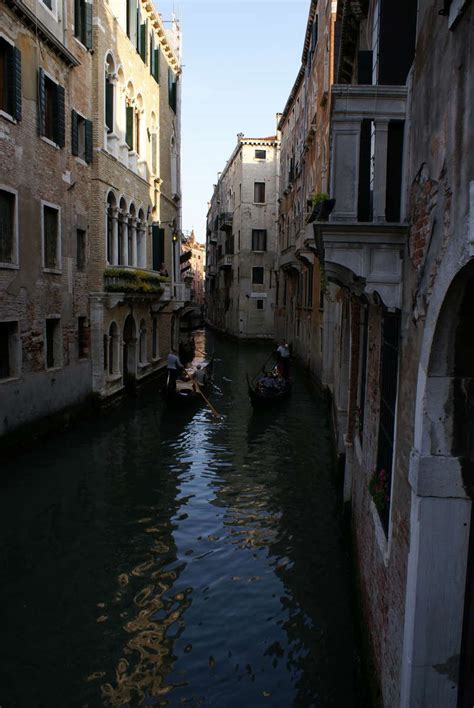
(367,145)
(225,221)
(134,281)
(225,262)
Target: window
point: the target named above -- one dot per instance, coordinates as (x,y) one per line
(83,335)
(257,275)
(53,343)
(51,238)
(142,37)
(171,90)
(142,343)
(9,350)
(109,103)
(259,239)
(129,126)
(260,304)
(154,339)
(83,22)
(154,153)
(259,192)
(8,222)
(113,349)
(154,59)
(260,154)
(10,79)
(80,249)
(51,109)
(81,137)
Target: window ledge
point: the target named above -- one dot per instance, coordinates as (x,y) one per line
(8,117)
(9,266)
(143,364)
(379,533)
(111,378)
(81,44)
(54,271)
(50,142)
(80,161)
(10,379)
(52,369)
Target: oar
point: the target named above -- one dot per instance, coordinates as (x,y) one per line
(217,415)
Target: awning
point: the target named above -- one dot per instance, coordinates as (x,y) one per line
(185,256)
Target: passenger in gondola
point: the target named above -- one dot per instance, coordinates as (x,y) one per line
(283,359)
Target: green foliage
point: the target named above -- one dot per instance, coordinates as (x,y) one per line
(318,197)
(133,280)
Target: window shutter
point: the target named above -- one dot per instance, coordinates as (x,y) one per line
(88,141)
(60,117)
(88,24)
(109,106)
(152,53)
(14,81)
(142,48)
(129,127)
(41,102)
(74,135)
(153,154)
(156,67)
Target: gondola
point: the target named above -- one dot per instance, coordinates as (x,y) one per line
(186,389)
(262,395)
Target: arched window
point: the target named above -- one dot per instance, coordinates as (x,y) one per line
(142,351)
(154,338)
(132,237)
(113,367)
(111,228)
(141,239)
(123,232)
(110,80)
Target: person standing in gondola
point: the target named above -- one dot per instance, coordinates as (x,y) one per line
(283,359)
(174,367)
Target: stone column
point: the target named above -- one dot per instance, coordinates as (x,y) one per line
(124,238)
(344,172)
(97,342)
(380,170)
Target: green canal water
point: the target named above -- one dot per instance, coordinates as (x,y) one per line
(152,556)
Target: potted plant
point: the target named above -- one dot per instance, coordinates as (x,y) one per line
(321,207)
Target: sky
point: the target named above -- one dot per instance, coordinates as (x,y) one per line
(240,60)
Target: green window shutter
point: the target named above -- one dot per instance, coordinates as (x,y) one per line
(109,106)
(129,127)
(158,246)
(137,26)
(142,48)
(41,102)
(88,141)
(156,66)
(88,24)
(74,134)
(60,124)
(14,82)
(77,18)
(152,54)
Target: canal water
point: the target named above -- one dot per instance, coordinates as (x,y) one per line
(152,556)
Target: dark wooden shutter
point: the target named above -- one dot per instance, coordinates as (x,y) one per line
(151,53)
(74,134)
(60,125)
(143,39)
(129,127)
(14,82)
(156,67)
(88,24)
(41,102)
(77,18)
(88,141)
(158,246)
(109,105)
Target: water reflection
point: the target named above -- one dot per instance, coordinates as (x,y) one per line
(178,559)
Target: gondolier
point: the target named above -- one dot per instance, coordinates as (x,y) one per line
(174,367)
(283,359)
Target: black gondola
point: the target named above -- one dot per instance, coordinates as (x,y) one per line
(266,389)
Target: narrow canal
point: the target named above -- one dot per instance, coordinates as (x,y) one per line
(158,557)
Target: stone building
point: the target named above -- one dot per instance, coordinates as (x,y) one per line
(397,253)
(193,256)
(304,178)
(45,74)
(136,227)
(241,241)
(89,201)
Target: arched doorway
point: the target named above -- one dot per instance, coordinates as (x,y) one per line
(438,652)
(129,350)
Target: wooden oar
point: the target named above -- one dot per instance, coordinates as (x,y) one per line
(216,414)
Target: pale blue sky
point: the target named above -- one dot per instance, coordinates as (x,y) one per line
(240,60)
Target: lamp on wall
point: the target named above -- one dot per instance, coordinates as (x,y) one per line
(174,236)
